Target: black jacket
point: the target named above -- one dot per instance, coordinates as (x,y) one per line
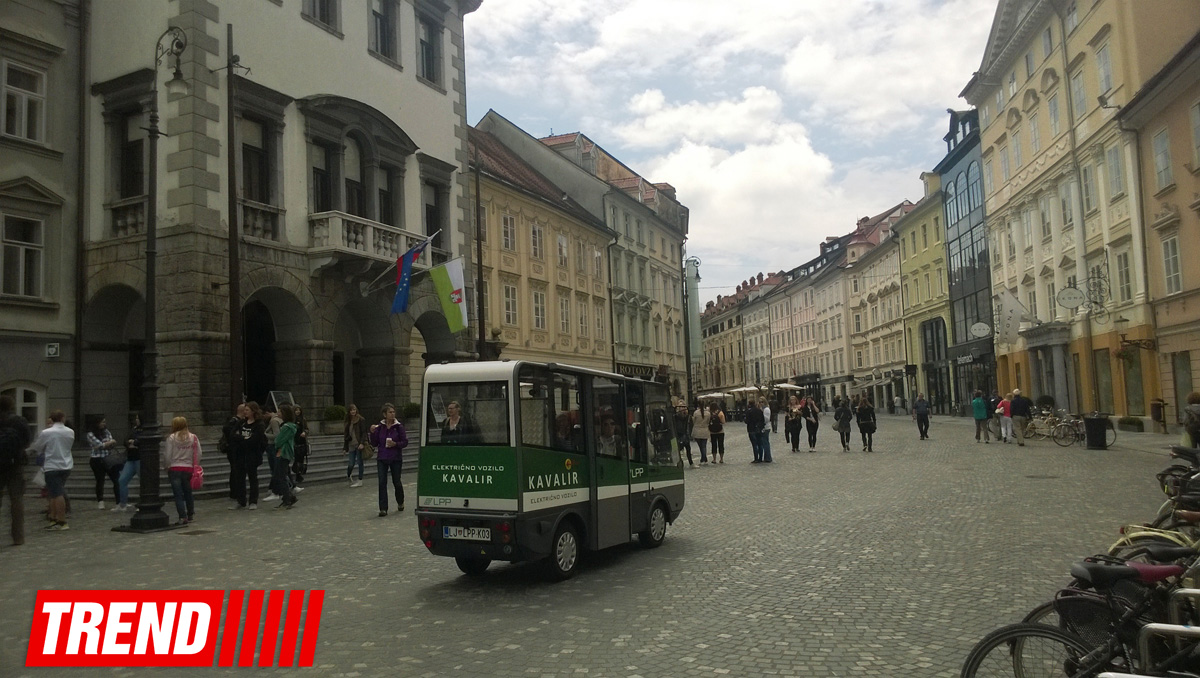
(755,421)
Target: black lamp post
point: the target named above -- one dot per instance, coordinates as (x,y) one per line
(150,516)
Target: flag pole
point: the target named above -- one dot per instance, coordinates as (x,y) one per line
(393,264)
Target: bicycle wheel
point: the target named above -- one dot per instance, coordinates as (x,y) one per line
(1110,434)
(1043,614)
(1064,435)
(1034,651)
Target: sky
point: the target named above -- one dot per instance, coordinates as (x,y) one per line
(779,122)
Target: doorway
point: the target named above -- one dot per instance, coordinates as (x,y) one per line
(259,350)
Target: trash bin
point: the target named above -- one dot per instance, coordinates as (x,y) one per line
(1095,429)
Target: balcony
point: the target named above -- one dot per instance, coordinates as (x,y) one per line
(338,236)
(260,220)
(128,216)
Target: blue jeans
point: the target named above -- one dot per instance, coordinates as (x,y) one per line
(702,443)
(391,468)
(132,468)
(354,456)
(181,488)
(764,444)
(756,446)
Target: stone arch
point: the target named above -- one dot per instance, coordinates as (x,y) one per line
(113,336)
(279,347)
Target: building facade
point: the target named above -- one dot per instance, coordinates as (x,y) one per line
(40,218)
(1166,115)
(926,300)
(545,259)
(876,310)
(1061,209)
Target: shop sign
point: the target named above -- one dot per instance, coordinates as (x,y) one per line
(638,371)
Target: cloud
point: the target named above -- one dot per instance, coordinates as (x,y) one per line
(754,118)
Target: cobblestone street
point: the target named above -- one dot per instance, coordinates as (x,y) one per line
(828,564)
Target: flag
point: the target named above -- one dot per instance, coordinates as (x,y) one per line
(1009,314)
(448,281)
(404,272)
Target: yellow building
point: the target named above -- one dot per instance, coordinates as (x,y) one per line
(545,260)
(926,299)
(1061,200)
(1166,115)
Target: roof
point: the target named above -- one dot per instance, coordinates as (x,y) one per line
(502,163)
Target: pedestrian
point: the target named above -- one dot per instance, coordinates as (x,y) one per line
(793,421)
(389,438)
(898,404)
(773,416)
(1004,409)
(683,424)
(300,464)
(14,438)
(716,433)
(354,444)
(55,443)
(920,414)
(458,429)
(994,414)
(979,409)
(101,440)
(248,444)
(285,454)
(842,414)
(273,423)
(754,425)
(1022,410)
(133,463)
(699,431)
(225,444)
(812,421)
(764,436)
(182,457)
(865,416)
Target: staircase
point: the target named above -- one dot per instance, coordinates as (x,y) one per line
(326,464)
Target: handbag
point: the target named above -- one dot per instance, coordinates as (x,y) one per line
(368,451)
(115,459)
(197,470)
(39,478)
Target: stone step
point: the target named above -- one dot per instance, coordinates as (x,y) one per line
(326,464)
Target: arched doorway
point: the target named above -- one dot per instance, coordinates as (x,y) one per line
(112,367)
(258,330)
(276,334)
(431,342)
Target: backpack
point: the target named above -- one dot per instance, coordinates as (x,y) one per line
(714,423)
(14,438)
(1191,424)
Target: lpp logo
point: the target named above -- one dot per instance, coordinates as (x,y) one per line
(173,628)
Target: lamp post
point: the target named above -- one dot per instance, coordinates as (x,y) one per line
(150,516)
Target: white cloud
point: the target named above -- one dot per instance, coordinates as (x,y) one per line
(755,117)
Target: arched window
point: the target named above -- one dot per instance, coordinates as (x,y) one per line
(960,187)
(951,205)
(352,170)
(973,187)
(30,400)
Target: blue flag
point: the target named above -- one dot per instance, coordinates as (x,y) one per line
(403,272)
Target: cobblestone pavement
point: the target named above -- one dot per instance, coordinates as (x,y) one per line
(829,564)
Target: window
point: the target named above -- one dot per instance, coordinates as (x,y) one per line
(21,264)
(1027,228)
(536,241)
(1089,188)
(1035,133)
(510,304)
(1018,159)
(599,322)
(563,244)
(1032,297)
(858,358)
(1047,43)
(352,170)
(1174,278)
(627,231)
(854,282)
(1067,206)
(988,176)
(985,115)
(580,258)
(132,160)
(382,38)
(1162,159)
(256,177)
(1028,65)
(857,323)
(1116,171)
(1079,102)
(29,400)
(487,300)
(1052,109)
(598,260)
(1104,69)
(999,100)
(1004,169)
(564,314)
(386,213)
(324,11)
(1072,17)
(928,288)
(429,50)
(1124,281)
(508,232)
(1012,84)
(1196,134)
(1051,301)
(640,232)
(539,310)
(1044,216)
(24,102)
(925,236)
(549,410)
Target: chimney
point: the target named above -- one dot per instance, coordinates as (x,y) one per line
(739,290)
(718,298)
(760,277)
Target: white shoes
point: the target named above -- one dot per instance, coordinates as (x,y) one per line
(253,507)
(100,505)
(118,508)
(357,483)
(297,489)
(271,496)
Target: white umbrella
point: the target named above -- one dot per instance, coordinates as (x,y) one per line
(788,387)
(744,389)
(714,395)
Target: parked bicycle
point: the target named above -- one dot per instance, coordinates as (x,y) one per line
(1073,431)
(1041,426)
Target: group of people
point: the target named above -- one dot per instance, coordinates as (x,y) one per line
(281,438)
(385,441)
(1010,414)
(701,426)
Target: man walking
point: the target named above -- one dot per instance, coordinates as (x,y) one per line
(983,414)
(55,444)
(993,403)
(921,415)
(14,438)
(1022,410)
(754,425)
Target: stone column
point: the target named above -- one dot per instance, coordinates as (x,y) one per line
(1036,387)
(306,369)
(1058,366)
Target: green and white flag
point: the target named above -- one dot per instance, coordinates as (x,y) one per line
(448,281)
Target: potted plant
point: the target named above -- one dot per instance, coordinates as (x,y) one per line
(335,417)
(1126,353)
(410,414)
(1131,424)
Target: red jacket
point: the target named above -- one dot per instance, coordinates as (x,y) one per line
(1005,408)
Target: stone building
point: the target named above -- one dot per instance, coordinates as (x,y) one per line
(1062,203)
(323,179)
(40,218)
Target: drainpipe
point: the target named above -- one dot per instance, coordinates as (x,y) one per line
(85,15)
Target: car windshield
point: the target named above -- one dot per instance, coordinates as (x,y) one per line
(467,414)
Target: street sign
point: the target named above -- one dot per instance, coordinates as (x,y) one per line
(1070,297)
(981,330)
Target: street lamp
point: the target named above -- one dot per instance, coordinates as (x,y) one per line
(150,516)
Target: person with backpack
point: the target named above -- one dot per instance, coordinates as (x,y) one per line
(699,431)
(225,443)
(865,416)
(716,433)
(842,414)
(920,414)
(14,438)
(979,409)
(284,452)
(1191,417)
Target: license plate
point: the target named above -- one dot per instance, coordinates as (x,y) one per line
(472,533)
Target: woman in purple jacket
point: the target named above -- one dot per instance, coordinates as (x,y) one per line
(388,438)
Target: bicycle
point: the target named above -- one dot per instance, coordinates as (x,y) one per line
(1073,431)
(1042,426)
